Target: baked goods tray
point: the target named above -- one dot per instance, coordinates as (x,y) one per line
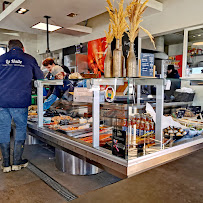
(73,133)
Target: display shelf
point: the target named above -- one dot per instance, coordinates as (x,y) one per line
(105,157)
(196,55)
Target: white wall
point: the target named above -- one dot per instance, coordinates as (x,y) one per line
(177,14)
(175,49)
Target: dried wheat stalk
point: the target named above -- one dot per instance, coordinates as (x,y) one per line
(109,34)
(135,10)
(117,19)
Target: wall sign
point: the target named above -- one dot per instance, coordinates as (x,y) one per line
(146,66)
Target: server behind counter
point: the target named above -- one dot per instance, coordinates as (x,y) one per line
(49,64)
(58,90)
(173,76)
(62,91)
(172,72)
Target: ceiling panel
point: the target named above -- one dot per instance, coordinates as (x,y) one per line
(58,11)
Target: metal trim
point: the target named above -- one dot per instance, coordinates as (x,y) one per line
(164,152)
(92,150)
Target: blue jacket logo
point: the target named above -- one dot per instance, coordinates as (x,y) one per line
(13,61)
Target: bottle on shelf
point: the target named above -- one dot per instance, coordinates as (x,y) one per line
(142,127)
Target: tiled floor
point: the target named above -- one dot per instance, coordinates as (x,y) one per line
(177,182)
(43,158)
(35,190)
(24,187)
(180,181)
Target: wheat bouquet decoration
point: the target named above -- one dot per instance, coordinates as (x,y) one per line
(108,63)
(119,26)
(135,10)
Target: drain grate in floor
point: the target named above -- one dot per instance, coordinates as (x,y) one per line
(52,183)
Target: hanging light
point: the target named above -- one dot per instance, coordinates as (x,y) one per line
(48,52)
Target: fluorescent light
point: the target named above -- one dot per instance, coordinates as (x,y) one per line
(197,43)
(22,10)
(43,26)
(11,33)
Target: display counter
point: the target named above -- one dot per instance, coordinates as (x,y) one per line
(123,138)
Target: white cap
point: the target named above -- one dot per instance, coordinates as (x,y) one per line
(57,69)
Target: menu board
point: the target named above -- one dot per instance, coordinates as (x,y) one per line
(147,65)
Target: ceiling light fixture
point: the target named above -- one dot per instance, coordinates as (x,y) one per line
(197,43)
(72,15)
(43,26)
(199,35)
(194,36)
(22,11)
(11,33)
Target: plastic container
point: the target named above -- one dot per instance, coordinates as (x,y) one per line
(183,96)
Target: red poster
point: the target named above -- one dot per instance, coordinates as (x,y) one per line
(179,58)
(96,55)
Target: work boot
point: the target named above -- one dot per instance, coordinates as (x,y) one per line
(5,150)
(18,163)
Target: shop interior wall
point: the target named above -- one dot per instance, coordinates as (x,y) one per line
(146,44)
(175,49)
(175,16)
(59,41)
(29,41)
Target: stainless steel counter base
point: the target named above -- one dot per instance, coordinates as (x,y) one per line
(30,140)
(73,165)
(106,161)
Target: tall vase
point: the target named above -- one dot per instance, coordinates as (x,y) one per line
(123,60)
(108,63)
(131,62)
(117,61)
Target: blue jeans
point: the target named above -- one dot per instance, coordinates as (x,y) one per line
(19,116)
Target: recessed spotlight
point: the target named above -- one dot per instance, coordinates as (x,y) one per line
(194,36)
(199,35)
(72,15)
(43,26)
(22,10)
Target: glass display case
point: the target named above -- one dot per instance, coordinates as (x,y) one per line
(117,120)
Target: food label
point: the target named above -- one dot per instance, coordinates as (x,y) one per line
(141,132)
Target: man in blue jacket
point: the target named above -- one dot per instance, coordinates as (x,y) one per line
(17,69)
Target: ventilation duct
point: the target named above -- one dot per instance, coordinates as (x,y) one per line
(159,42)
